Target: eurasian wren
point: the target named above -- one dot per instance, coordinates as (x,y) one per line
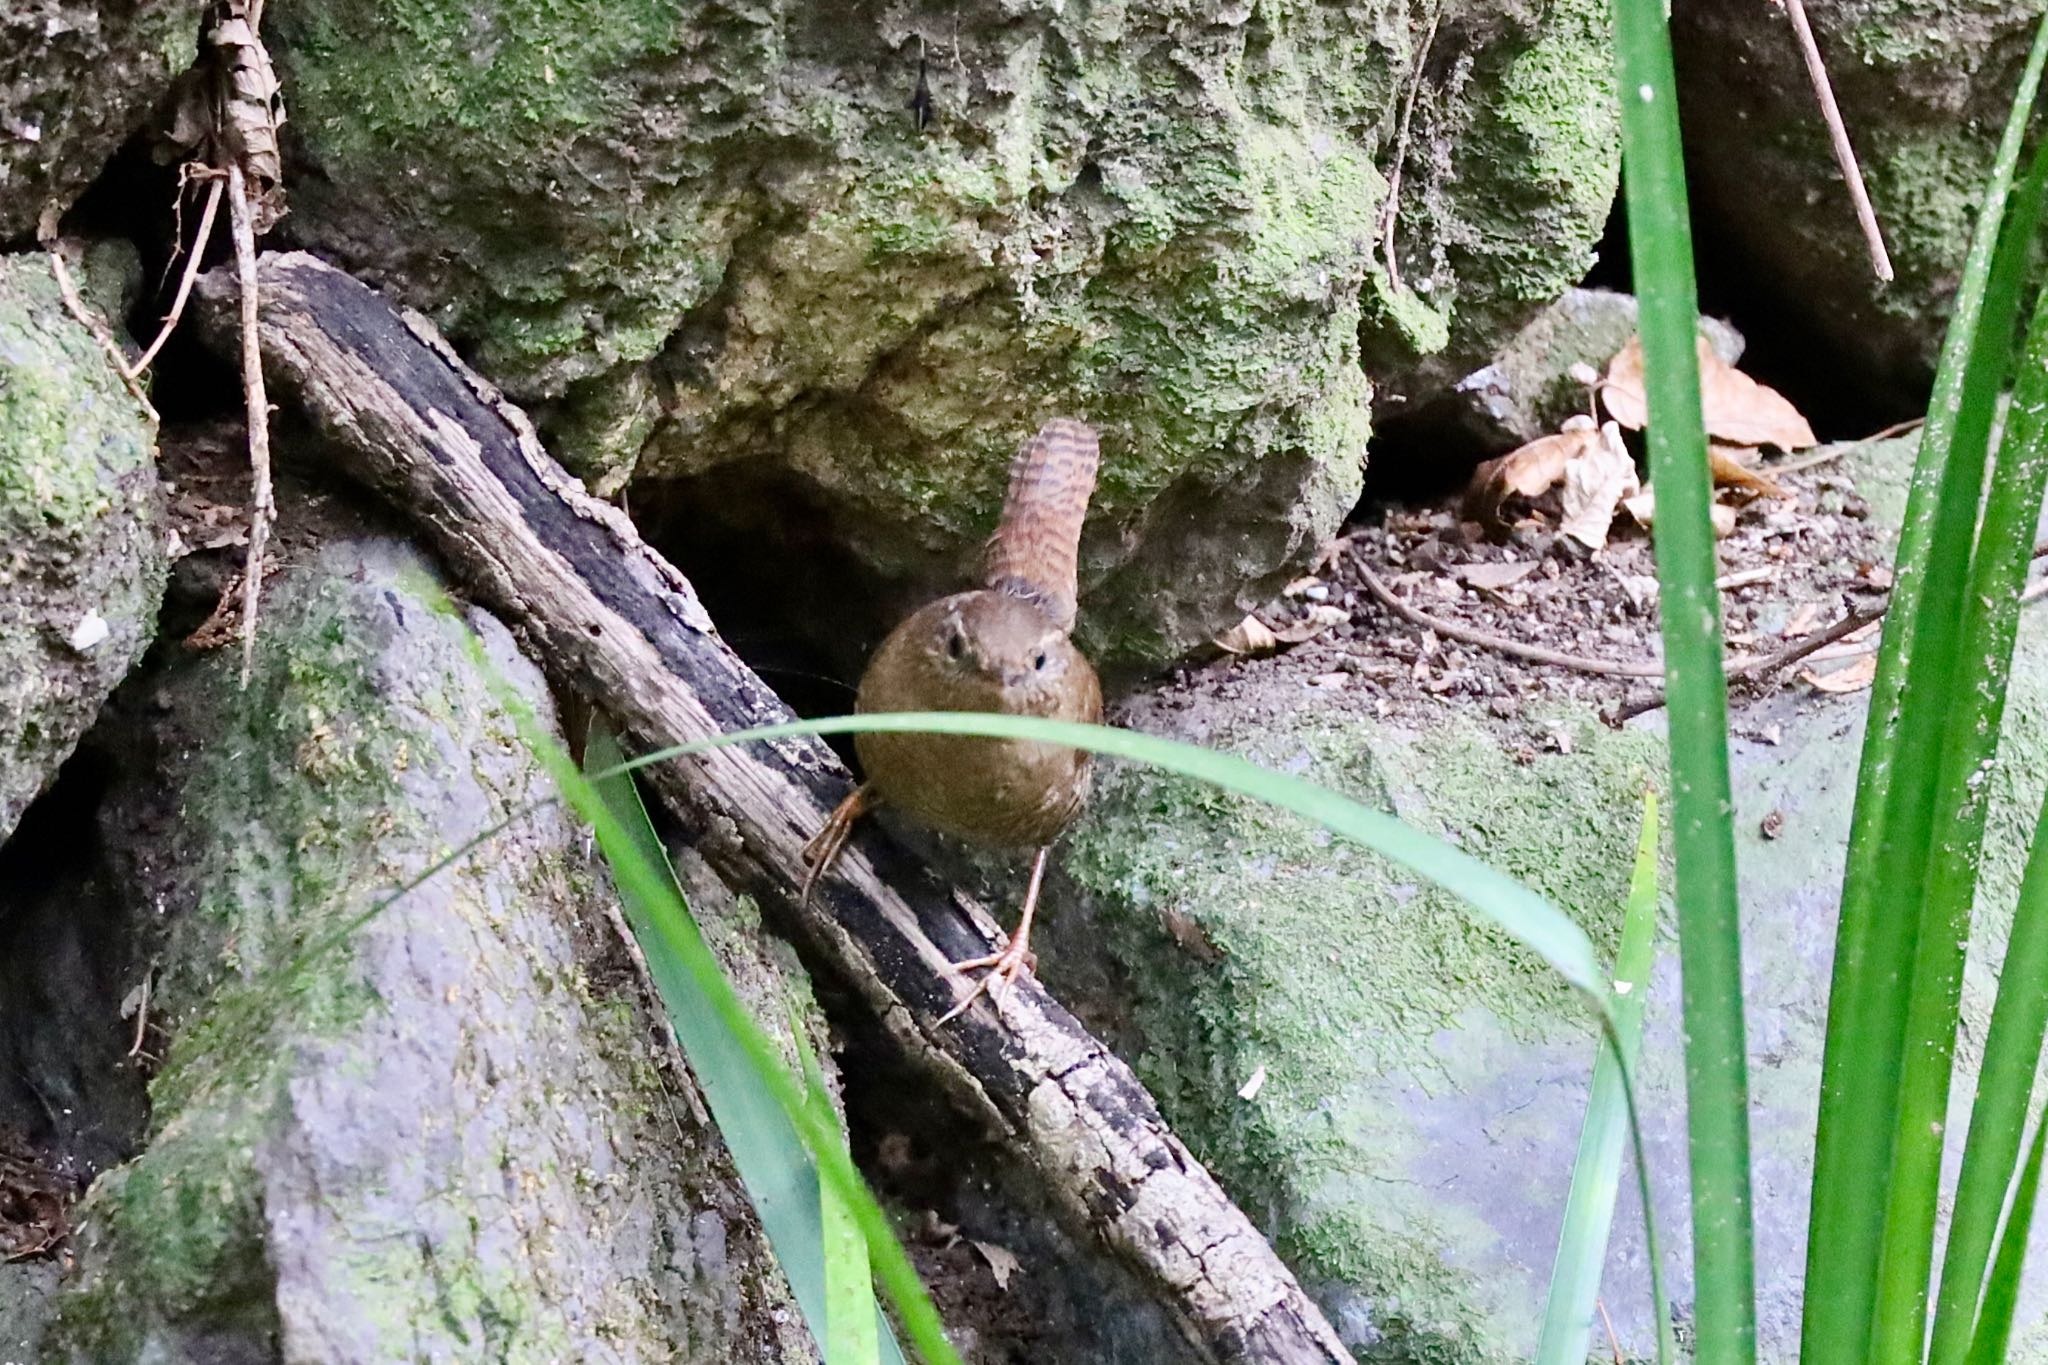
(1002,648)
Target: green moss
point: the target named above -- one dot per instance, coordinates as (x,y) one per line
(66,424)
(1552,113)
(1330,971)
(292,805)
(1929,183)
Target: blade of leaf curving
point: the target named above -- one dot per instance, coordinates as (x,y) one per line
(804,1216)
(1514,908)
(854,1326)
(1596,1173)
(1998,1118)
(2002,1292)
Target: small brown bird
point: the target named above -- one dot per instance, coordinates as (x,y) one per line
(1003,648)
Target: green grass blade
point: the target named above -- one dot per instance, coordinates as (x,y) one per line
(805,1220)
(2002,1294)
(1975,709)
(1703,839)
(1998,1118)
(1596,1174)
(1514,908)
(1506,903)
(1893,824)
(1510,906)
(854,1326)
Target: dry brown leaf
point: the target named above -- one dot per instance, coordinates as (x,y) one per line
(1002,1262)
(1738,410)
(1731,472)
(1595,482)
(1621,388)
(1854,678)
(1253,637)
(1528,471)
(1494,577)
(1803,619)
(1313,622)
(1249,636)
(228,105)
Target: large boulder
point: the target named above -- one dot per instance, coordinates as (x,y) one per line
(82,532)
(1395,1086)
(1924,91)
(442,1130)
(76,77)
(726,253)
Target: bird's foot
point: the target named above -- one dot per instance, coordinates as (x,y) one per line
(1000,972)
(824,846)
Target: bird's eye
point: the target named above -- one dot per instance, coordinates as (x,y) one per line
(956,645)
(1038,661)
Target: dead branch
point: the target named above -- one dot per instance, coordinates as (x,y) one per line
(1514,649)
(1838,135)
(615,623)
(215,184)
(1805,646)
(67,289)
(256,405)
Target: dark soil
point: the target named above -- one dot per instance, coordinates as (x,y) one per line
(1792,567)
(35,1201)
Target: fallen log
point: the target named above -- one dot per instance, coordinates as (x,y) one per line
(613,622)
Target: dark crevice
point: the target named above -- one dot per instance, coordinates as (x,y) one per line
(1070,1300)
(1780,347)
(136,199)
(1421,458)
(70,953)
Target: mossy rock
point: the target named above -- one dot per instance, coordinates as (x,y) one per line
(437,1129)
(75,79)
(82,526)
(716,239)
(1924,88)
(1421,1079)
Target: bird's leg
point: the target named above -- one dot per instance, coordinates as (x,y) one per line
(1016,955)
(823,849)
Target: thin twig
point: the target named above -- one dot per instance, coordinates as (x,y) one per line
(1846,448)
(1612,1340)
(1736,665)
(46,232)
(1499,643)
(206,215)
(1390,210)
(262,509)
(1845,155)
(1749,667)
(1855,620)
(142,1014)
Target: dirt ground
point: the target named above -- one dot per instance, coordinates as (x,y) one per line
(1791,568)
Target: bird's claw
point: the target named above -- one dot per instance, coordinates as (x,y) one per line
(1001,972)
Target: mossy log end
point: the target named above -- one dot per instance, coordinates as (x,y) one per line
(615,624)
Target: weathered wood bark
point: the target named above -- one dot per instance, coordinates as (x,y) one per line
(614,622)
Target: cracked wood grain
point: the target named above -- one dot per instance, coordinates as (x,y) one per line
(613,622)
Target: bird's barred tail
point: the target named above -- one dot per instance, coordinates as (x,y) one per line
(1036,548)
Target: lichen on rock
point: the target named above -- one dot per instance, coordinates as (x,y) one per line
(82,552)
(437,1126)
(75,79)
(718,236)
